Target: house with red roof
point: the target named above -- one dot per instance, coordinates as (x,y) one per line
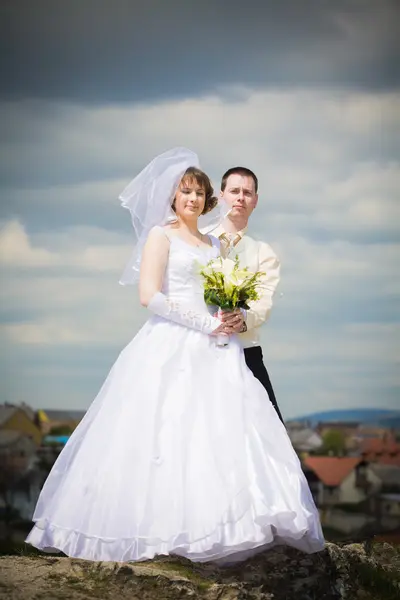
(341,480)
(385,450)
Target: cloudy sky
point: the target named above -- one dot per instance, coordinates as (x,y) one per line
(307,94)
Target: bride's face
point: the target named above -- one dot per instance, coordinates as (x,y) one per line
(190,199)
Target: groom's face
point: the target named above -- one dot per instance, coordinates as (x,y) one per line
(240,195)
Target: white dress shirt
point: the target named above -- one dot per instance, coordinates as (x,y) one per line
(257,256)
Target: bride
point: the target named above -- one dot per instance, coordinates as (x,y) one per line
(181,452)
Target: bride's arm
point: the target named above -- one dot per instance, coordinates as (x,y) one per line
(153,265)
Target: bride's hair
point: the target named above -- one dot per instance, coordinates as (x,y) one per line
(193,173)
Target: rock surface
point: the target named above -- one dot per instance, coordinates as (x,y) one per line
(349,572)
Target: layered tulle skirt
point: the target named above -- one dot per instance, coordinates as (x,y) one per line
(180,453)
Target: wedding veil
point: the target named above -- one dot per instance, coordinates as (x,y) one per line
(149,196)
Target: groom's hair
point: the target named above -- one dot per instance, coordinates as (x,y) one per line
(243,171)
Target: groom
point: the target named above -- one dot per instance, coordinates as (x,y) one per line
(239,187)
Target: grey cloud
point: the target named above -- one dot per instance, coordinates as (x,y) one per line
(100,51)
(310,150)
(52,210)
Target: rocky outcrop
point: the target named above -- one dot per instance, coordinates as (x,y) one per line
(348,572)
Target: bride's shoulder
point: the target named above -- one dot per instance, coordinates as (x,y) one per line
(159,232)
(169,229)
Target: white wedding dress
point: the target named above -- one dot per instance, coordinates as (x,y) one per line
(180,453)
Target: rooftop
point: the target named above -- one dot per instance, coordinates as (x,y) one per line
(6,412)
(377,445)
(332,470)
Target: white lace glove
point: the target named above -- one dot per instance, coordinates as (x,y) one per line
(184,315)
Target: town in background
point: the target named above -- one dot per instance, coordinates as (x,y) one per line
(352,466)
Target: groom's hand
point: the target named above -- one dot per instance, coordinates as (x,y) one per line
(233,321)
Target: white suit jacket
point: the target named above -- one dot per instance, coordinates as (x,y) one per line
(257,256)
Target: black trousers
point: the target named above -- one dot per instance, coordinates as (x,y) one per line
(254,360)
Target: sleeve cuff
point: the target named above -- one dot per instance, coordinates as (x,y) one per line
(214,324)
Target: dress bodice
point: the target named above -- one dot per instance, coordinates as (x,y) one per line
(182,281)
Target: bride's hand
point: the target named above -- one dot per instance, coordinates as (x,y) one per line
(223,328)
(233,320)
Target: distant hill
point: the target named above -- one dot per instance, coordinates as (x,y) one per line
(366,416)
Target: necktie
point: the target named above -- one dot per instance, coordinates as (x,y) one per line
(230,239)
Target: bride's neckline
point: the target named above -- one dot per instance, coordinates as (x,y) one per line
(171,237)
(198,247)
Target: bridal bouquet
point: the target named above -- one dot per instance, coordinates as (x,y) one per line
(229,286)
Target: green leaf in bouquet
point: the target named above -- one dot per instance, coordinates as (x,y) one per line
(243,304)
(211,296)
(226,306)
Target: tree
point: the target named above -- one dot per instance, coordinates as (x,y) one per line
(15,469)
(61,430)
(333,443)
